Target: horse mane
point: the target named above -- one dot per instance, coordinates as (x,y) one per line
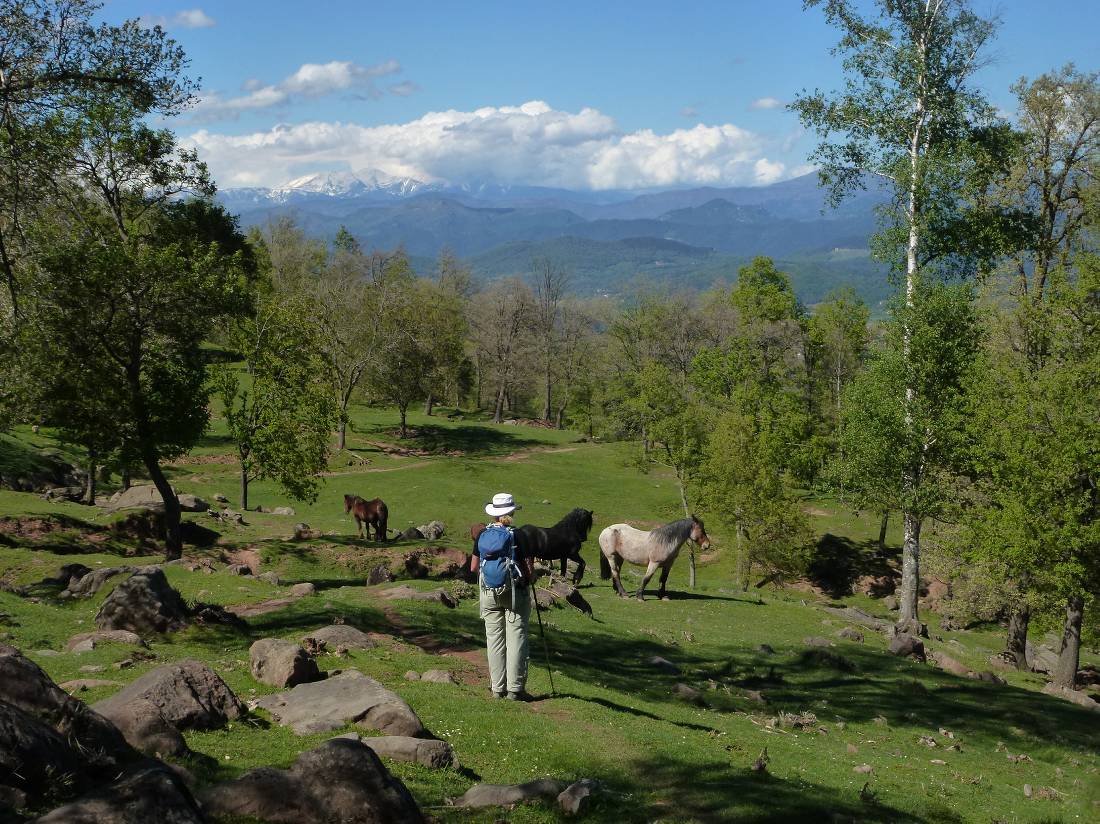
(579,519)
(674,533)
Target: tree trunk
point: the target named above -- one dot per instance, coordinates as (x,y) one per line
(1016,643)
(910,569)
(244,490)
(429,404)
(743,565)
(342,434)
(173,536)
(498,415)
(125,478)
(546,403)
(559,418)
(1069,657)
(404,424)
(89,486)
(882,529)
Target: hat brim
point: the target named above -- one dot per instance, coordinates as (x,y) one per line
(497,511)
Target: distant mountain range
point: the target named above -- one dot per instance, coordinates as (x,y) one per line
(610,242)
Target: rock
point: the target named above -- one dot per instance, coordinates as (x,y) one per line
(239,569)
(850,634)
(425,751)
(146,496)
(303,589)
(111,636)
(82,684)
(817,641)
(988,677)
(414,567)
(935,593)
(46,733)
(431,531)
(280,663)
(664,665)
(1003,661)
(349,697)
(91,669)
(144,603)
(74,494)
(688,694)
(379,575)
(891,603)
(949,664)
(1081,699)
(438,676)
(907,646)
(283,510)
(89,584)
(340,782)
(155,794)
(188,694)
(858,616)
(561,590)
(269,578)
(1042,658)
(407,592)
(910,627)
(339,635)
(192,503)
(87,645)
(505,795)
(302,532)
(863,769)
(412,675)
(148,731)
(220,498)
(573,800)
(766,649)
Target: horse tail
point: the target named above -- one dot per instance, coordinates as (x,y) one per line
(605,566)
(383,518)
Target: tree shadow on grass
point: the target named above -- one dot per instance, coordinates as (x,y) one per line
(469,440)
(837,563)
(719,792)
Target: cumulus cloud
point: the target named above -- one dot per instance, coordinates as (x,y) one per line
(311,80)
(766,103)
(186,19)
(531,144)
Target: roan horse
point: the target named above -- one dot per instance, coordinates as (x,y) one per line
(562,541)
(372,513)
(659,548)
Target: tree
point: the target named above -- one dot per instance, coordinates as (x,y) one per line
(280,417)
(500,321)
(132,310)
(549,283)
(455,282)
(838,331)
(902,419)
(56,65)
(909,117)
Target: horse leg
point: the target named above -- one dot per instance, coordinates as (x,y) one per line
(580,567)
(564,563)
(616,562)
(359,525)
(664,577)
(645,580)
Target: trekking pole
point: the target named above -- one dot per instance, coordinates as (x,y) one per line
(545,648)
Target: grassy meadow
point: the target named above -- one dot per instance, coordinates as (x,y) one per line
(931,746)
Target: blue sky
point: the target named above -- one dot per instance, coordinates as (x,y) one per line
(620,94)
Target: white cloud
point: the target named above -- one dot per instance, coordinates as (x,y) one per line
(404,88)
(186,19)
(311,80)
(529,144)
(766,103)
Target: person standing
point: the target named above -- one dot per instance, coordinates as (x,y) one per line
(505,573)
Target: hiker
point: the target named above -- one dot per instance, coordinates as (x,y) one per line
(506,573)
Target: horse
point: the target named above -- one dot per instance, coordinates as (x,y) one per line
(561,541)
(372,513)
(659,548)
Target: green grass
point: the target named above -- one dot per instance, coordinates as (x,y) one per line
(614,717)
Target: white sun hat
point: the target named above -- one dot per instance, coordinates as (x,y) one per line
(502,504)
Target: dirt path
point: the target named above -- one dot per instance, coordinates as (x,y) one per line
(413,465)
(426,642)
(525,454)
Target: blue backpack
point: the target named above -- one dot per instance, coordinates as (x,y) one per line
(497,551)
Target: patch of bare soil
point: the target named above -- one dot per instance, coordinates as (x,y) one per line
(412,451)
(250,610)
(36,527)
(525,454)
(431,644)
(246,555)
(817,513)
(200,460)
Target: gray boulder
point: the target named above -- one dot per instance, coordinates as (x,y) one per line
(412,534)
(349,697)
(574,799)
(505,795)
(280,663)
(269,578)
(408,593)
(144,603)
(438,676)
(340,782)
(905,645)
(188,694)
(146,496)
(664,665)
(431,531)
(89,584)
(335,636)
(851,634)
(91,640)
(425,751)
(154,794)
(239,569)
(302,590)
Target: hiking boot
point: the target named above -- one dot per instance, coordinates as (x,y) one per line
(522,695)
(499,694)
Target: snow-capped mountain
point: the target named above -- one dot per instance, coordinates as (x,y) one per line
(366,184)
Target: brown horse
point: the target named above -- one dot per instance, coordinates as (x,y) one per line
(372,513)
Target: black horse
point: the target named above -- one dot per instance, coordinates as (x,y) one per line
(561,541)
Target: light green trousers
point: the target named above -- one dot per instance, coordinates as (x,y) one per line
(506,638)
